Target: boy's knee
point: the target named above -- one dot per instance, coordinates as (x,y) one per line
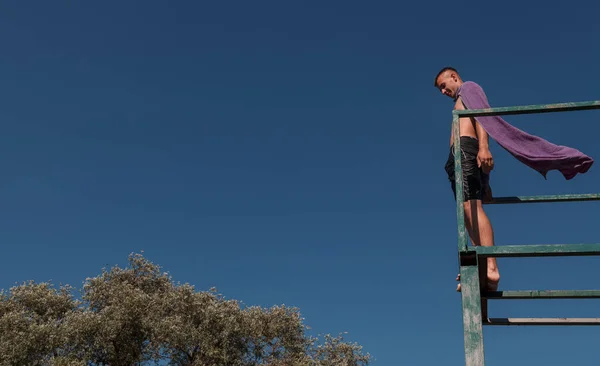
(467,207)
(470,207)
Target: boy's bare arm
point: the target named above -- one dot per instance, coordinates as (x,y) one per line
(484,157)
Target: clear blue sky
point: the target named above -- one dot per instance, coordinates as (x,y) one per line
(293,153)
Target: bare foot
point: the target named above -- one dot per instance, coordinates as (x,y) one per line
(493,278)
(492,282)
(492,285)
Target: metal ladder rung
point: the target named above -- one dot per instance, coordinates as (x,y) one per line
(546,198)
(542,321)
(538,250)
(541,294)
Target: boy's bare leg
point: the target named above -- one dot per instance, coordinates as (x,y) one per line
(481,233)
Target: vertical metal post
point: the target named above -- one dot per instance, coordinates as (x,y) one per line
(469,268)
(458,179)
(472,319)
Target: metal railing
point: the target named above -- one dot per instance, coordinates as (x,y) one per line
(474,299)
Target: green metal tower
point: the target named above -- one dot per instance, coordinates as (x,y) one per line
(472,260)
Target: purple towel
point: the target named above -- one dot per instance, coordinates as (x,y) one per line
(531,150)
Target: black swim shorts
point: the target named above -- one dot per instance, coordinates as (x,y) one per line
(474,179)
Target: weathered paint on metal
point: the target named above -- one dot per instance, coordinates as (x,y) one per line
(547,198)
(542,294)
(541,250)
(458,179)
(472,319)
(483,269)
(543,321)
(472,301)
(530,109)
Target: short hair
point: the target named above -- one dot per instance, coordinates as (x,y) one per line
(447,68)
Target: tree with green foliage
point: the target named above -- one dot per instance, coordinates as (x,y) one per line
(138,315)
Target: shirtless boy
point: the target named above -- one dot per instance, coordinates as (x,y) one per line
(477,162)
